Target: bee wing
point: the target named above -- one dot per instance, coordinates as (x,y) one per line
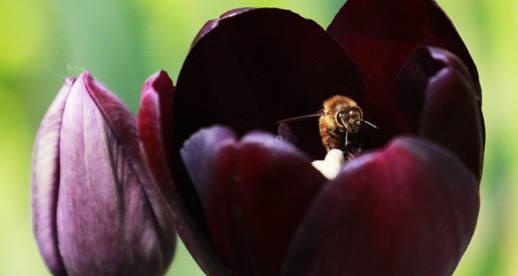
(284,133)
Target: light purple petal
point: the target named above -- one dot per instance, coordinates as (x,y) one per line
(107,220)
(45,181)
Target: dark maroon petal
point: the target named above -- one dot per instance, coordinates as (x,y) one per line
(409,209)
(207,27)
(380,35)
(211,24)
(209,157)
(153,129)
(45,181)
(452,116)
(201,157)
(154,122)
(255,193)
(110,218)
(439,101)
(276,185)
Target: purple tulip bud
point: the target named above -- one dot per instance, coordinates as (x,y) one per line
(96,210)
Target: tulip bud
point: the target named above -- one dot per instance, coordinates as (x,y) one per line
(96,211)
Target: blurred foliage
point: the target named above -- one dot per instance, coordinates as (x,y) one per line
(123,41)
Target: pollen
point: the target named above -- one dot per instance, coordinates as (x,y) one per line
(331,165)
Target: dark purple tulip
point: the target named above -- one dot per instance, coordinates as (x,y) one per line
(96,210)
(247,203)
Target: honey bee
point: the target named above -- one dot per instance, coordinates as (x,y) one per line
(339,123)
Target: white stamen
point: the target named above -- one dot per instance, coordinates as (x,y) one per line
(331,165)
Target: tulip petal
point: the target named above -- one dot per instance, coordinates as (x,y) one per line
(154,122)
(109,219)
(256,61)
(439,101)
(409,209)
(208,156)
(45,181)
(123,125)
(254,193)
(211,24)
(380,35)
(153,126)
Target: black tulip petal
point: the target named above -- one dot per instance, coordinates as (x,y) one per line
(438,99)
(379,36)
(408,209)
(254,192)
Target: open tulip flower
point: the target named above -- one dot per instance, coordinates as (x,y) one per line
(247,200)
(248,203)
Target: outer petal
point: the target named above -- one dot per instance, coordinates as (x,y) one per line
(154,126)
(380,35)
(409,209)
(211,24)
(254,192)
(109,219)
(438,100)
(154,122)
(45,181)
(209,156)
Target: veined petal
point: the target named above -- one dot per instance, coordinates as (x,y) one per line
(45,181)
(109,220)
(409,209)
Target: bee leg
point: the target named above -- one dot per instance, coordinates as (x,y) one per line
(333,133)
(333,140)
(346,139)
(349,156)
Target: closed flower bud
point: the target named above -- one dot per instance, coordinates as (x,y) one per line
(96,210)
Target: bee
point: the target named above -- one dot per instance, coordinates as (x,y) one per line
(339,123)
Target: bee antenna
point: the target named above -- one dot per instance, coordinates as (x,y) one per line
(370,124)
(299,118)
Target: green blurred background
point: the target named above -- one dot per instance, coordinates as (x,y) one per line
(123,41)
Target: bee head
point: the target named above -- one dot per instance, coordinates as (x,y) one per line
(350,119)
